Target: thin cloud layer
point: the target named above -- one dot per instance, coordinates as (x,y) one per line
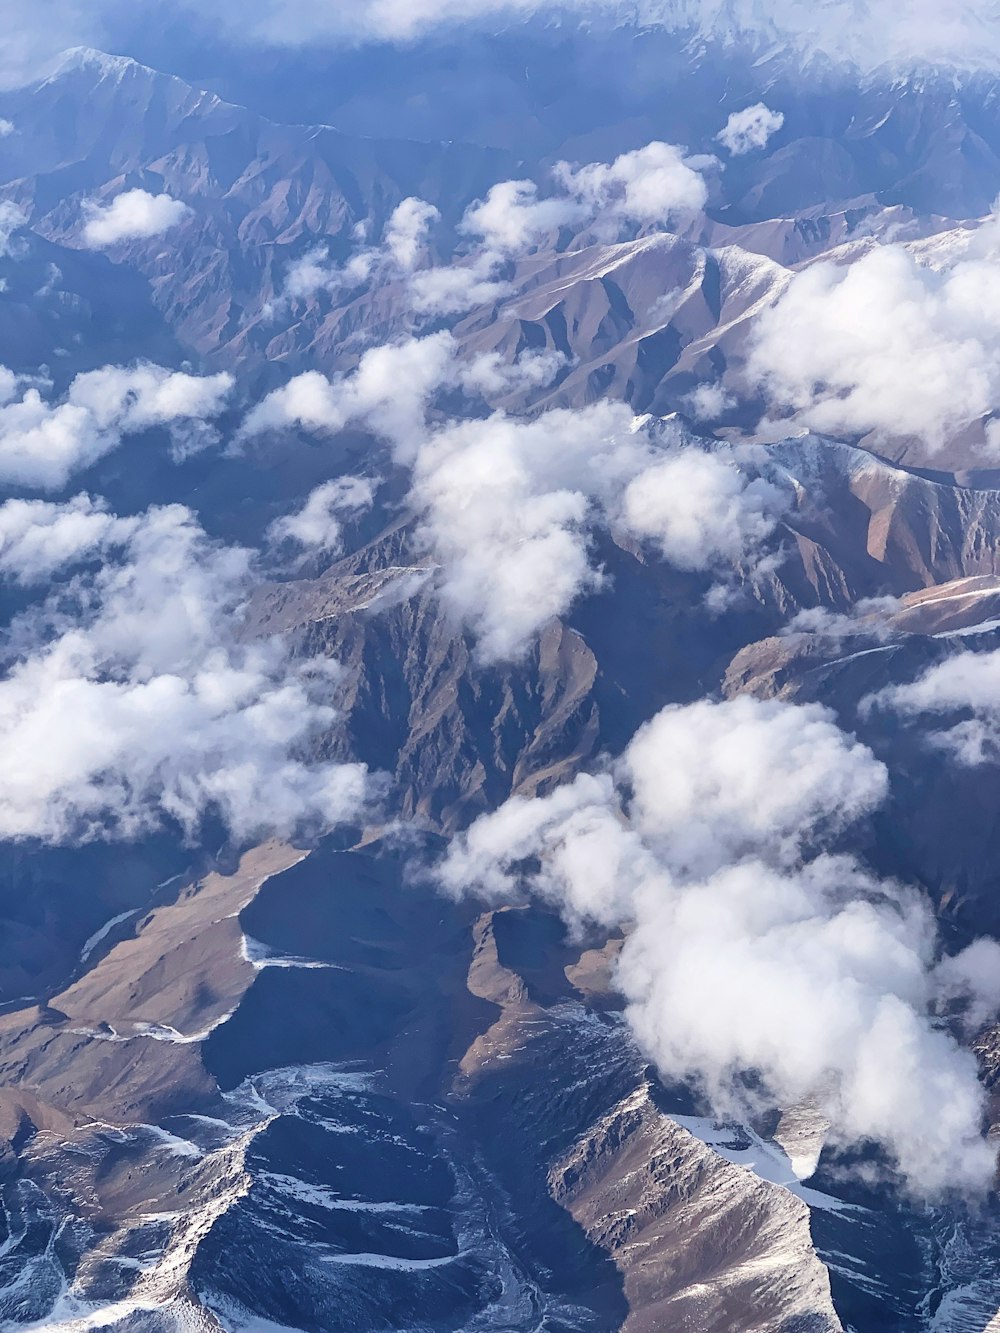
(43,444)
(748,950)
(894,33)
(880,32)
(131,216)
(129,702)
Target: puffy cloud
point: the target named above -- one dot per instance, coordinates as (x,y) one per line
(512,218)
(129,701)
(315,272)
(407,230)
(317,526)
(38,538)
(507,506)
(714,783)
(708,402)
(885,344)
(748,950)
(7,128)
(657,184)
(652,184)
(458,287)
(750,129)
(132,215)
(42,445)
(701,510)
(965,683)
(389,392)
(404,238)
(11,221)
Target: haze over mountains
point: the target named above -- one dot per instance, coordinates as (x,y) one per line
(500,544)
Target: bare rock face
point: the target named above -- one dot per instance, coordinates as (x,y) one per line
(258,192)
(702,1244)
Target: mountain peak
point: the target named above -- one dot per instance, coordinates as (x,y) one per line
(89,58)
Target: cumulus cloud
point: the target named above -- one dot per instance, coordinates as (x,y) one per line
(42,444)
(659,184)
(508,506)
(967,683)
(129,702)
(886,344)
(11,221)
(749,949)
(750,129)
(708,402)
(407,230)
(38,538)
(458,287)
(317,525)
(131,216)
(403,241)
(389,392)
(700,509)
(653,184)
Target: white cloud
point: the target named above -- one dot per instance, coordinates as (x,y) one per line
(42,445)
(967,682)
(877,33)
(890,33)
(7,128)
(512,218)
(701,510)
(407,230)
(132,215)
(38,538)
(508,506)
(458,287)
(714,783)
(708,402)
(655,184)
(748,949)
(315,272)
(128,699)
(389,391)
(658,184)
(11,221)
(885,344)
(750,129)
(405,237)
(317,526)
